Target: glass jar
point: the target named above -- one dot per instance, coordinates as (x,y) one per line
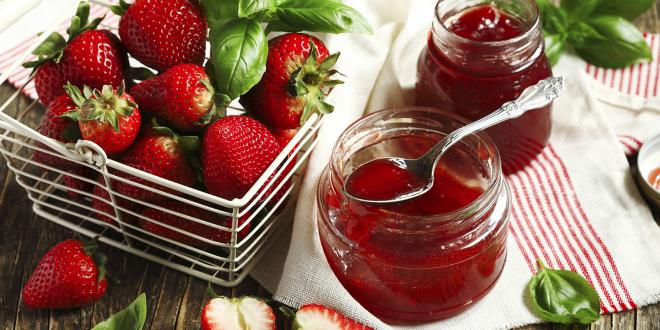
(427,258)
(481,54)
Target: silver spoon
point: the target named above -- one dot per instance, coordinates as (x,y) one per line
(422,168)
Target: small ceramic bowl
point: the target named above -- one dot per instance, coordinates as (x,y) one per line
(648,160)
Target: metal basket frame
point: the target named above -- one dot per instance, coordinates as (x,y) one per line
(266,208)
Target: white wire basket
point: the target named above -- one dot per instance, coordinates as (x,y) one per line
(63,196)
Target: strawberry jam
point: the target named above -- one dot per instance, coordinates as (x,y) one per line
(426,258)
(479,57)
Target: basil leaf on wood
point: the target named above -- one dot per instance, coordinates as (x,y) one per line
(554,46)
(563,296)
(621,44)
(317,16)
(628,9)
(239,49)
(247,8)
(579,9)
(130,318)
(219,10)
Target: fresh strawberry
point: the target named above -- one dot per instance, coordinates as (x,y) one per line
(108,118)
(236,151)
(163,33)
(161,152)
(319,317)
(182,95)
(89,57)
(80,184)
(284,136)
(59,128)
(243,313)
(189,226)
(100,206)
(297,78)
(70,274)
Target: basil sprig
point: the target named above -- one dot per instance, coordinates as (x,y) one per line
(563,296)
(599,31)
(130,318)
(239,47)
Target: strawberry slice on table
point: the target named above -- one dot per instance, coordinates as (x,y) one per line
(89,57)
(163,33)
(319,317)
(298,76)
(182,96)
(70,274)
(222,313)
(109,118)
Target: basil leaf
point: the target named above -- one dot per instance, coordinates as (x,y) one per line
(621,44)
(130,318)
(317,16)
(554,46)
(219,10)
(563,296)
(239,49)
(628,9)
(580,32)
(579,9)
(554,19)
(250,7)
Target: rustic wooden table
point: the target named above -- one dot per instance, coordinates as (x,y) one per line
(174,300)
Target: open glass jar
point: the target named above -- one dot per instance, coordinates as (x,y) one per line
(427,258)
(481,54)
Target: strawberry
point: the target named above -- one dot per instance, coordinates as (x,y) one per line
(163,33)
(284,136)
(189,226)
(109,118)
(89,57)
(70,274)
(236,151)
(54,126)
(80,184)
(182,95)
(224,313)
(100,206)
(161,152)
(317,317)
(297,78)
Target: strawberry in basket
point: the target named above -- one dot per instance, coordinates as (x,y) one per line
(62,129)
(89,57)
(98,203)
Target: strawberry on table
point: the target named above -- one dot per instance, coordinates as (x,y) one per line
(182,95)
(89,57)
(163,33)
(62,129)
(297,78)
(319,317)
(70,274)
(222,313)
(109,118)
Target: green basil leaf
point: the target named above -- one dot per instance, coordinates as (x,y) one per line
(554,19)
(580,32)
(563,296)
(239,49)
(628,9)
(130,318)
(578,10)
(622,44)
(218,10)
(317,16)
(554,46)
(247,8)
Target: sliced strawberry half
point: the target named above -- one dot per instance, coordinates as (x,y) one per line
(224,313)
(319,317)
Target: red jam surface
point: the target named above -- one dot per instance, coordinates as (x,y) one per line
(654,178)
(473,89)
(400,267)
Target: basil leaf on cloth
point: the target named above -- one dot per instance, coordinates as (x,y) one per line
(628,9)
(621,44)
(563,296)
(328,16)
(130,318)
(239,49)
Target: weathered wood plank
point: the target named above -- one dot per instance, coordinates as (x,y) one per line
(623,320)
(648,318)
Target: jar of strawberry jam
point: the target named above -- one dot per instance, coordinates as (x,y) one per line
(481,54)
(423,259)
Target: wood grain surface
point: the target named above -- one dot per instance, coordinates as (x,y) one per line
(174,300)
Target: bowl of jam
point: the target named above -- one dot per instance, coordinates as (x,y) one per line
(648,171)
(427,258)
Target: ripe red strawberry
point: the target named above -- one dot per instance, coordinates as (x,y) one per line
(160,152)
(189,226)
(80,184)
(70,274)
(108,118)
(296,80)
(284,136)
(236,151)
(182,95)
(224,313)
(89,57)
(59,128)
(313,317)
(163,33)
(100,206)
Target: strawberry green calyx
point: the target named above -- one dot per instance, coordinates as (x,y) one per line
(105,106)
(189,143)
(100,259)
(209,100)
(53,47)
(120,9)
(313,82)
